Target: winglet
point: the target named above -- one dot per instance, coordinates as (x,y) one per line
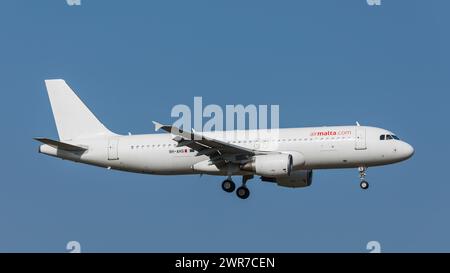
(157,125)
(357,124)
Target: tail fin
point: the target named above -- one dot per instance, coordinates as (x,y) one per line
(73,119)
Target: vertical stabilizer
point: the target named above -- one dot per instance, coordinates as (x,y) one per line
(73,119)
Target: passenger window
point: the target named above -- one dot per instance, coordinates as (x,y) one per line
(382,137)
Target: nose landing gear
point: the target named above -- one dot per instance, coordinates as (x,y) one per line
(362,176)
(364,185)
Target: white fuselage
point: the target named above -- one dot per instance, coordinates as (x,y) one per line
(322,148)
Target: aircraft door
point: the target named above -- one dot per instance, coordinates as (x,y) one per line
(360,138)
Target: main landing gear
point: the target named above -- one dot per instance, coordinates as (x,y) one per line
(242,192)
(228,185)
(362,176)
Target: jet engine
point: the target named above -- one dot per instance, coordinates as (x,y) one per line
(297,179)
(274,165)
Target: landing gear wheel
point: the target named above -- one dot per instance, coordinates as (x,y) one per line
(364,185)
(243,192)
(362,175)
(228,185)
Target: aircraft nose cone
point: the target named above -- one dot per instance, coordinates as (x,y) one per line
(408,150)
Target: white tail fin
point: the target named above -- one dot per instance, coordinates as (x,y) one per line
(73,119)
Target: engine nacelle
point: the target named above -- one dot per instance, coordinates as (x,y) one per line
(274,165)
(270,165)
(297,179)
(298,160)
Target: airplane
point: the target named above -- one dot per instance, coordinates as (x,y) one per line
(287,159)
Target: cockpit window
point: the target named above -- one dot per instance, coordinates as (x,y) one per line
(388,137)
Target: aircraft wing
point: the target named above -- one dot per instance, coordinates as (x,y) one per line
(219,151)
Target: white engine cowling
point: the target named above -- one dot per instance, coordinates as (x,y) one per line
(270,165)
(274,165)
(297,179)
(298,160)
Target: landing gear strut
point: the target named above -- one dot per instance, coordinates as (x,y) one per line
(243,192)
(362,176)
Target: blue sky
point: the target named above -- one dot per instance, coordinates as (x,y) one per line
(324,62)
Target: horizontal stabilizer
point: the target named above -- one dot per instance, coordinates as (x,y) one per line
(61,145)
